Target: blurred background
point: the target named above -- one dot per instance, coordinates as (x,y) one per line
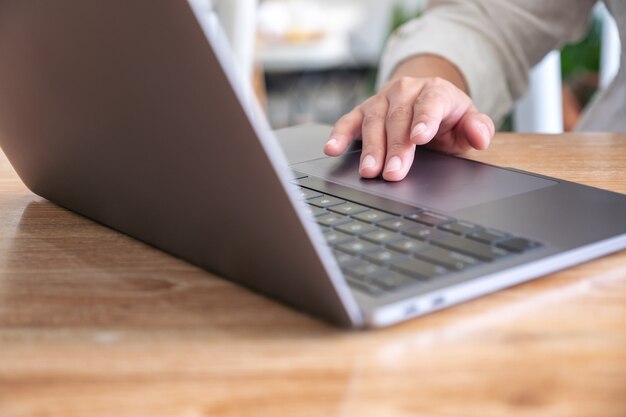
(314,60)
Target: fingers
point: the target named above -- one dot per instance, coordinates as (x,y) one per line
(474,130)
(374,136)
(345,131)
(477,128)
(398,163)
(439,102)
(368,121)
(409,112)
(446,114)
(400,150)
(418,121)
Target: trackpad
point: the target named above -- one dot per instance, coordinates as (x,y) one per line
(435,181)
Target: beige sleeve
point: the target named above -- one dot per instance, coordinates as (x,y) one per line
(494,43)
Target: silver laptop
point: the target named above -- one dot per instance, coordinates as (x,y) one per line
(129,113)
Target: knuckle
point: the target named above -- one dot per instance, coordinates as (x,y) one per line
(438,82)
(399,114)
(403,87)
(430,94)
(374,102)
(404,82)
(437,87)
(431,102)
(373,118)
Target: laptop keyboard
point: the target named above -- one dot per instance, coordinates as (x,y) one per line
(382,252)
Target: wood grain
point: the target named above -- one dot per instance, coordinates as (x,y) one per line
(95,323)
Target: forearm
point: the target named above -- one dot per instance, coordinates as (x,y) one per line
(427,66)
(494,43)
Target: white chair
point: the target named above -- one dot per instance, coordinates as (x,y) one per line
(611,49)
(541,108)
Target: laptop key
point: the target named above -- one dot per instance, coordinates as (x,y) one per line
(363,269)
(306,194)
(332,219)
(471,247)
(357,247)
(336,237)
(349,208)
(385,256)
(409,245)
(427,233)
(373,216)
(325,201)
(377,277)
(447,258)
(344,260)
(364,285)
(398,224)
(460,227)
(518,244)
(356,228)
(315,211)
(419,269)
(393,281)
(382,236)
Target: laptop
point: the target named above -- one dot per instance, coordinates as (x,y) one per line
(130,113)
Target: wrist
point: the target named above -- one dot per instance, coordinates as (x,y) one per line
(429,66)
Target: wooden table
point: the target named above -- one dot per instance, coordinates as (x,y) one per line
(93,323)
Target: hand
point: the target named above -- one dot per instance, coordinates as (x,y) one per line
(407,112)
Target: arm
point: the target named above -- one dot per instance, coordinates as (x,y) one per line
(482,48)
(430,66)
(493,43)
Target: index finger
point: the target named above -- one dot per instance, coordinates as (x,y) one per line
(347,128)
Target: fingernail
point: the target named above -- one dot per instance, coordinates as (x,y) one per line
(394,164)
(484,130)
(419,129)
(331,142)
(368,162)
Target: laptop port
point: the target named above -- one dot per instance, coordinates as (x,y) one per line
(438,301)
